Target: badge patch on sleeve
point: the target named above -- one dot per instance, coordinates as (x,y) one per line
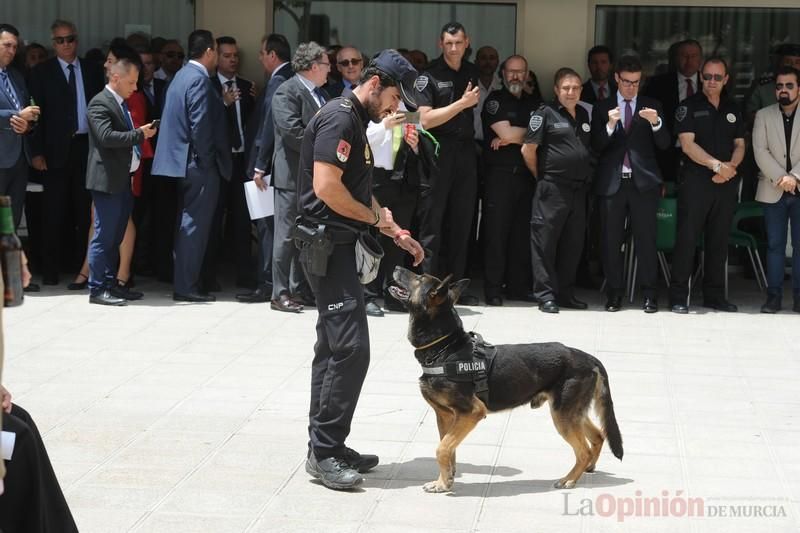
(535,122)
(586,127)
(492,106)
(731,117)
(680,113)
(420,83)
(343,151)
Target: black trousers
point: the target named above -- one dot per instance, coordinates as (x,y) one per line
(13,181)
(287,274)
(265,234)
(144,211)
(165,220)
(641,206)
(65,211)
(341,353)
(508,192)
(705,209)
(446,209)
(558,227)
(32,501)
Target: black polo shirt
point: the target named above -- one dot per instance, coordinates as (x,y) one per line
(563,155)
(714,128)
(501,105)
(337,135)
(439,86)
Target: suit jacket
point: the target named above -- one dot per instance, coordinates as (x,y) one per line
(293,107)
(590,97)
(262,127)
(246,104)
(154,108)
(640,142)
(12,144)
(190,134)
(111,143)
(49,88)
(769,147)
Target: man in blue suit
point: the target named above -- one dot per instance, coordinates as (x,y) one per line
(194,147)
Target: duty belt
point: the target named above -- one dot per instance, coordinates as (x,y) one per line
(471,363)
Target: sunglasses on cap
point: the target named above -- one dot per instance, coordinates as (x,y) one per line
(69,39)
(347,62)
(715,77)
(788,86)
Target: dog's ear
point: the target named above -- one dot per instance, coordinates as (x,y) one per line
(457,288)
(441,289)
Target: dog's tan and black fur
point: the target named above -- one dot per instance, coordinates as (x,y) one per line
(569,379)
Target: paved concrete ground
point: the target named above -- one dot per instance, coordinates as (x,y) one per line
(173,418)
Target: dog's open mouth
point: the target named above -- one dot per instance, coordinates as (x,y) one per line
(399,293)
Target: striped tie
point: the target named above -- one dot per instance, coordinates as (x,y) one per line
(9,90)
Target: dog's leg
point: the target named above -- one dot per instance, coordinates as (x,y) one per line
(445,453)
(444,421)
(572,431)
(595,437)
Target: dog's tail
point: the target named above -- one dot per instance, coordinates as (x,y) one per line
(604,407)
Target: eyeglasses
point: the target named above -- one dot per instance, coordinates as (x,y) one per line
(629,83)
(788,86)
(347,62)
(69,39)
(325,63)
(715,77)
(173,55)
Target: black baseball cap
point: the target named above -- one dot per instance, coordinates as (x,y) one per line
(397,67)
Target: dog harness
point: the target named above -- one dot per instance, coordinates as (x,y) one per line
(470,363)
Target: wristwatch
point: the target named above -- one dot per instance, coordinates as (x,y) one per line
(717,166)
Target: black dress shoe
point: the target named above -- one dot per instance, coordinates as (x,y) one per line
(193,297)
(494,301)
(681,309)
(721,305)
(334,472)
(650,305)
(362,463)
(304,299)
(468,299)
(549,306)
(121,291)
(285,304)
(261,294)
(373,309)
(614,304)
(32,287)
(773,304)
(573,303)
(106,298)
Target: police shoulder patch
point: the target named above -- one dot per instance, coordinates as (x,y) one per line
(680,113)
(420,83)
(492,106)
(536,122)
(343,151)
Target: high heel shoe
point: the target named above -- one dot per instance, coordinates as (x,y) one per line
(78,285)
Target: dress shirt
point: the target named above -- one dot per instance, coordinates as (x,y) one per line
(310,86)
(83,119)
(135,159)
(223,80)
(683,86)
(621,105)
(596,88)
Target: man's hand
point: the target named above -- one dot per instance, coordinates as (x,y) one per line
(258,178)
(30,113)
(253,90)
(385,219)
(38,162)
(470,97)
(497,142)
(727,171)
(229,96)
(149,130)
(614,116)
(18,124)
(788,184)
(716,178)
(410,245)
(650,115)
(393,119)
(5,399)
(411,137)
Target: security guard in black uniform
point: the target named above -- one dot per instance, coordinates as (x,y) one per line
(711,131)
(336,205)
(509,186)
(446,93)
(558,212)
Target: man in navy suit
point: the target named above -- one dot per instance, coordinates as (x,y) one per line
(627,130)
(274,55)
(601,84)
(114,155)
(194,148)
(16,119)
(62,86)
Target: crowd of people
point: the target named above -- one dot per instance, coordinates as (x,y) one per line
(541,195)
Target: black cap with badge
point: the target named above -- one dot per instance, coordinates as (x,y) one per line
(397,67)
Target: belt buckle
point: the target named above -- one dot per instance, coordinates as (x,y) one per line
(627,175)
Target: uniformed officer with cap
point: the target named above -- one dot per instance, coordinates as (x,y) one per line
(335,193)
(711,131)
(509,186)
(786,55)
(557,152)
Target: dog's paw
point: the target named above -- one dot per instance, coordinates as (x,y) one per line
(436,486)
(564,484)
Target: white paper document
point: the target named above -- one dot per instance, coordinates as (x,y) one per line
(7,440)
(260,203)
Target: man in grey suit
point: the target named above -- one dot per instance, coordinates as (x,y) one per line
(195,147)
(295,103)
(114,155)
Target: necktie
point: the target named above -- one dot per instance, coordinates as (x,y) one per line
(601,92)
(319,95)
(627,121)
(148,91)
(9,90)
(689,87)
(127,115)
(233,121)
(73,89)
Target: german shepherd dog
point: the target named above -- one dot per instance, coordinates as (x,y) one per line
(569,379)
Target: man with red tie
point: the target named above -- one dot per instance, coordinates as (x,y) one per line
(601,85)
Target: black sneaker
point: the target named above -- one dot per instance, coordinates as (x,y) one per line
(362,463)
(333,472)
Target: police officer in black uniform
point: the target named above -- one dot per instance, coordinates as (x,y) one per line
(557,152)
(335,193)
(446,93)
(711,131)
(509,186)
